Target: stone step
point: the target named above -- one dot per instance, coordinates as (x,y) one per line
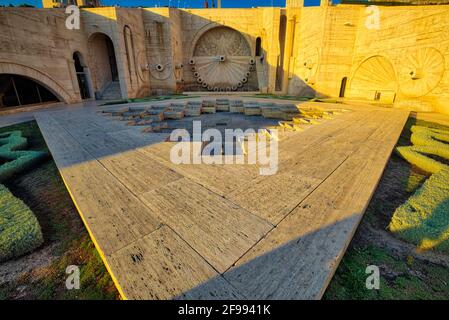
(112,91)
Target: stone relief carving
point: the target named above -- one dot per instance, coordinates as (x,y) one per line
(222,60)
(222,41)
(421,71)
(160,67)
(375,73)
(142,66)
(309,66)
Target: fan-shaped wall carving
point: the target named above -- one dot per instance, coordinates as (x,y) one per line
(375,74)
(222,41)
(421,71)
(222,60)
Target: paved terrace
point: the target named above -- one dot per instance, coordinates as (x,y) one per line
(221,231)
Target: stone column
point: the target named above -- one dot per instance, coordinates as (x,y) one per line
(288,50)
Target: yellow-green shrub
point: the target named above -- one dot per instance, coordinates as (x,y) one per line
(432,140)
(424,218)
(426,141)
(20,232)
(416,156)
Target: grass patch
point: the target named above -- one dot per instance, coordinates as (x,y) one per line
(95,282)
(44,192)
(295,98)
(399,279)
(280,97)
(152,98)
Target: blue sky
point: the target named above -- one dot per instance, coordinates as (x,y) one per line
(182,3)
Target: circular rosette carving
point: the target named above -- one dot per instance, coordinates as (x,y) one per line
(160,67)
(421,72)
(222,59)
(217,73)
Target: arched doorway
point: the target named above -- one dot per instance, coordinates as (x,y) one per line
(81,75)
(105,73)
(222,61)
(17,90)
(374,79)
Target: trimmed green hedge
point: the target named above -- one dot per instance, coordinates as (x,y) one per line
(426,141)
(424,218)
(20,232)
(16,160)
(12,140)
(416,156)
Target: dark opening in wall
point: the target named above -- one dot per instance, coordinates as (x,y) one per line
(280,60)
(258,47)
(81,76)
(16,90)
(343,87)
(77,61)
(112,61)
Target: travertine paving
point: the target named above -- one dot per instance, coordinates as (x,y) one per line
(221,231)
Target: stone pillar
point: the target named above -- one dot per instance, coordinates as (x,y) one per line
(325,3)
(288,51)
(72,71)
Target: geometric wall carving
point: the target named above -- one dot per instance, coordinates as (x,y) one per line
(222,41)
(421,71)
(375,74)
(141,66)
(222,60)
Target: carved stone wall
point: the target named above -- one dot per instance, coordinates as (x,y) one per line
(161,50)
(222,61)
(374,79)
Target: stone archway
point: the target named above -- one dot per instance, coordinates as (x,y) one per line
(40,77)
(104,66)
(222,61)
(374,79)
